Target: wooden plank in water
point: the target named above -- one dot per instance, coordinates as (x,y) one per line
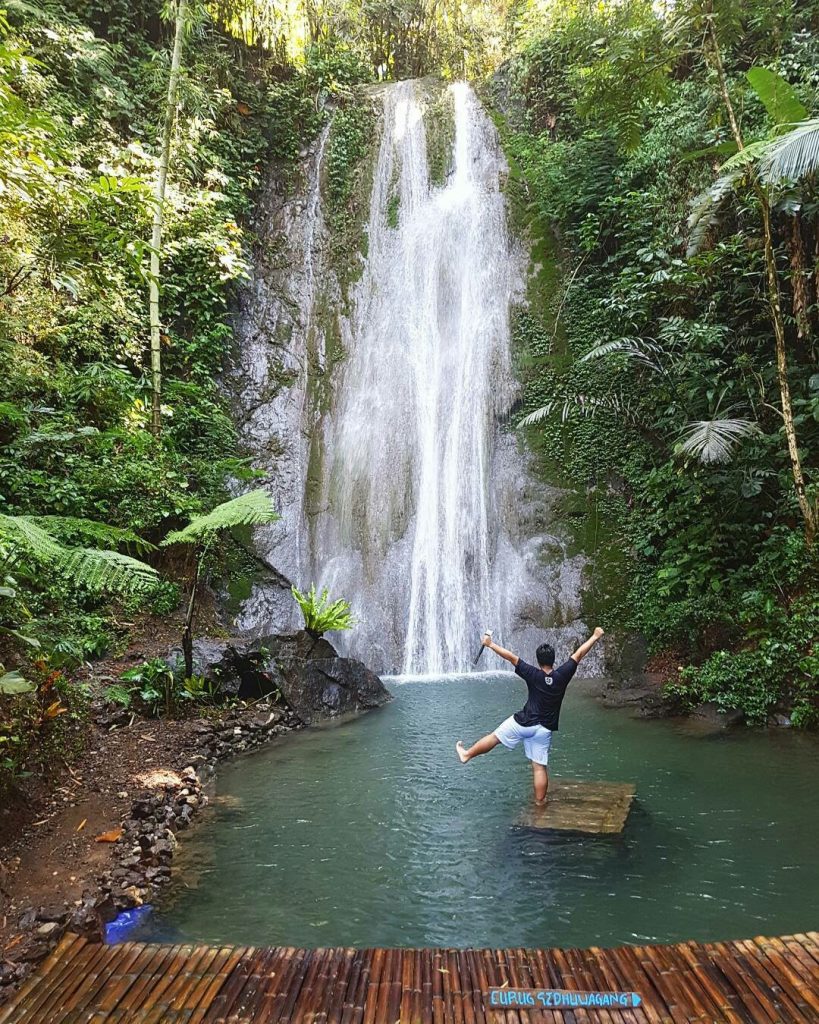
(600,808)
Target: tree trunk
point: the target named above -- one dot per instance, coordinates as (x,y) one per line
(808,512)
(187,633)
(800,287)
(158,218)
(774,304)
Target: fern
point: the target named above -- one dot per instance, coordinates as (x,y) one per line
(251,509)
(71,530)
(20,535)
(746,156)
(320,615)
(24,538)
(109,570)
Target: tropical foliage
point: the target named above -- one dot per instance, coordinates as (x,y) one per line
(663,166)
(321,615)
(252,509)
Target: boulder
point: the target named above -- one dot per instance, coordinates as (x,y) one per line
(326,688)
(713,716)
(625,659)
(237,667)
(304,670)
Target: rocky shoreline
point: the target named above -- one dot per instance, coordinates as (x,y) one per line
(166,799)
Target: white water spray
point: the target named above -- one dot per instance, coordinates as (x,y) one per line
(421,517)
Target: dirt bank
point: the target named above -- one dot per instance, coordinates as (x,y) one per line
(98,836)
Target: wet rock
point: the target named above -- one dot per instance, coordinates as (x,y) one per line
(10,973)
(27,919)
(267,721)
(56,912)
(625,658)
(142,808)
(239,667)
(712,715)
(331,687)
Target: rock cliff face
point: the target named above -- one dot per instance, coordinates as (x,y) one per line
(304,671)
(373,385)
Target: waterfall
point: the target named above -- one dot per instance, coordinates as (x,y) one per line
(427,519)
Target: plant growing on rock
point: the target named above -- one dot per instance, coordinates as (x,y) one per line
(251,509)
(320,614)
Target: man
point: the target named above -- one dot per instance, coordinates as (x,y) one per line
(534,725)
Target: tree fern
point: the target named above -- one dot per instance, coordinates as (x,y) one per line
(24,538)
(251,509)
(71,530)
(109,570)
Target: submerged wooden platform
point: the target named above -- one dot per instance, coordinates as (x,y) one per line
(574,806)
(758,981)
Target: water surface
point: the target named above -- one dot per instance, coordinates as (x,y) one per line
(372,834)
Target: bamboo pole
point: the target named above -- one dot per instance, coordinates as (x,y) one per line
(158,221)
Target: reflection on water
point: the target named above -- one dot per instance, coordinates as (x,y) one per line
(372,833)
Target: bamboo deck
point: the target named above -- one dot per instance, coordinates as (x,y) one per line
(759,981)
(600,808)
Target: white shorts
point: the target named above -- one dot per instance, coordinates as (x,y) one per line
(536,739)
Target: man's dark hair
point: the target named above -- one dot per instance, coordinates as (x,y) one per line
(546,655)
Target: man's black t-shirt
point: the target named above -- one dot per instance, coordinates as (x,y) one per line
(546,692)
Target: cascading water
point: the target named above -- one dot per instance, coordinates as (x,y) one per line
(426,519)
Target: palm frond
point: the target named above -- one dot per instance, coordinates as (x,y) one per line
(580,405)
(746,156)
(705,209)
(643,350)
(714,441)
(794,155)
(249,509)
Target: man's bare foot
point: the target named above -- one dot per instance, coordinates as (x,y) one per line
(462,754)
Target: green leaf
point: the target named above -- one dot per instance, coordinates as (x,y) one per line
(249,509)
(12,683)
(753,151)
(777,96)
(726,148)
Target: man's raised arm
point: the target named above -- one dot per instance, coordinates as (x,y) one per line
(506,655)
(584,649)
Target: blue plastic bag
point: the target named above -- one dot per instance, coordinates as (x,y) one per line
(123,924)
